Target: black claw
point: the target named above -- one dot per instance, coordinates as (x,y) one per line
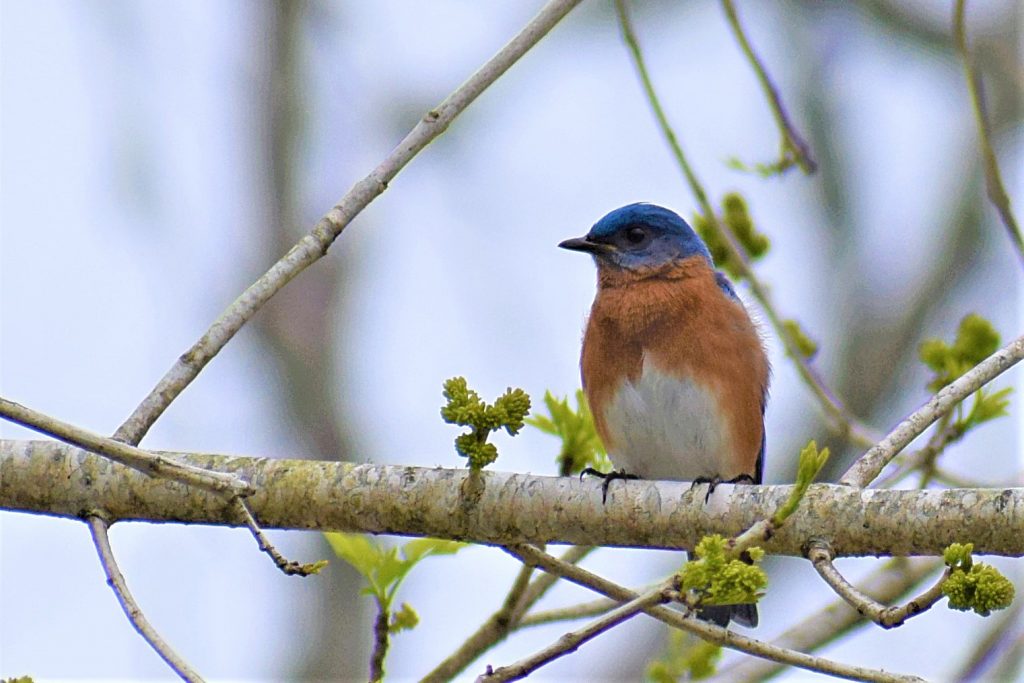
(608,477)
(713,483)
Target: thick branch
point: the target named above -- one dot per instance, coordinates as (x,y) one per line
(503,508)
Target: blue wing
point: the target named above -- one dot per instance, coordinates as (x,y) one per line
(725,285)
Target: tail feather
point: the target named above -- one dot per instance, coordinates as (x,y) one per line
(745,615)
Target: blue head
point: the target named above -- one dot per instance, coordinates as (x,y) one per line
(640,236)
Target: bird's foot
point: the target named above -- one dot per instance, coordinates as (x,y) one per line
(713,483)
(608,477)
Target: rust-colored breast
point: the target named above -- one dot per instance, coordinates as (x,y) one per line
(679,320)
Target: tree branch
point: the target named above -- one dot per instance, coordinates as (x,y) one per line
(572,640)
(705,630)
(315,244)
(820,555)
(993,178)
(98,528)
(889,583)
(501,508)
(870,465)
(152,464)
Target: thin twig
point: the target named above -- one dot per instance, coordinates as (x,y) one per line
(843,422)
(315,244)
(792,142)
(569,642)
(507,618)
(821,556)
(581,610)
(130,456)
(287,566)
(993,178)
(705,630)
(98,528)
(923,457)
(869,465)
(889,582)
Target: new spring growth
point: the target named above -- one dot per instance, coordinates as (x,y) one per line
(976,339)
(718,577)
(736,218)
(464,407)
(979,587)
(811,462)
(581,446)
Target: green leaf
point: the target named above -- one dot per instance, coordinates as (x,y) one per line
(581,446)
(356,549)
(976,340)
(811,462)
(416,550)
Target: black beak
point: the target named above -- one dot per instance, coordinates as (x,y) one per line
(583,244)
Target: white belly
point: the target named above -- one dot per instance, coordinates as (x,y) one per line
(667,428)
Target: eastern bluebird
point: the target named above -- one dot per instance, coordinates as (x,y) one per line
(673,367)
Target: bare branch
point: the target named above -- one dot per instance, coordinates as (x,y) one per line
(792,142)
(870,465)
(993,177)
(890,582)
(572,640)
(500,508)
(98,528)
(150,463)
(569,613)
(506,619)
(315,244)
(842,421)
(820,555)
(705,630)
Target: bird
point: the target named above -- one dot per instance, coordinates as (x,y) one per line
(673,367)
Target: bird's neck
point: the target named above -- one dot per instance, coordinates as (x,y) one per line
(638,300)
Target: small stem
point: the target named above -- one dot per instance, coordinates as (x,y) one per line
(381,642)
(287,566)
(791,140)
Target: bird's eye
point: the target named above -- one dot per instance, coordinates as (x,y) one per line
(636,235)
